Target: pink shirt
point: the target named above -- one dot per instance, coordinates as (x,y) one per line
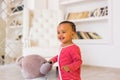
(70,56)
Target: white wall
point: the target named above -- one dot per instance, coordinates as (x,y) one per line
(53,4)
(36,4)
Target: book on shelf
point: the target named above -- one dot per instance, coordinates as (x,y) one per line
(79,35)
(94,35)
(77,15)
(84,35)
(88,35)
(17,9)
(98,12)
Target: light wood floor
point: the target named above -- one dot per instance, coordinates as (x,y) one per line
(100,73)
(12,72)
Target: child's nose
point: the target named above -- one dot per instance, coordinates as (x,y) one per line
(60,35)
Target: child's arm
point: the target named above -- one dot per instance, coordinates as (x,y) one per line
(53,60)
(76,57)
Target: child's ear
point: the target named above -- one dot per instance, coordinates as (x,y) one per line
(74,35)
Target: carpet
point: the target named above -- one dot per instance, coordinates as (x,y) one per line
(10,72)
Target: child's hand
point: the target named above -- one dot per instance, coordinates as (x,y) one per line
(50,61)
(66,68)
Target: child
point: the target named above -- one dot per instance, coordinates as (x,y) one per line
(69,59)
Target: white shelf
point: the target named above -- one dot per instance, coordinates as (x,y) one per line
(91,19)
(90,41)
(16,13)
(70,2)
(16,26)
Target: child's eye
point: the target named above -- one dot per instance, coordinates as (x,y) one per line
(61,32)
(58,32)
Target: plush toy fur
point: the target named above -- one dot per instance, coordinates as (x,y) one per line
(33,66)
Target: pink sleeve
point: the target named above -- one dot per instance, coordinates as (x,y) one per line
(77,61)
(54,59)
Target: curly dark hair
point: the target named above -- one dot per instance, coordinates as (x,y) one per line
(71,24)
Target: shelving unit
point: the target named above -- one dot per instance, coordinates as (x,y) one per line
(101,24)
(14,19)
(90,19)
(17,13)
(15,16)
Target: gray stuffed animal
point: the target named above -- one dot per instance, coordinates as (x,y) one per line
(34,67)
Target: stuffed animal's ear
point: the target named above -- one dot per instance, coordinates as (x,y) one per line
(19,61)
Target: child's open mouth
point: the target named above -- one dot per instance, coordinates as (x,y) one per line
(61,38)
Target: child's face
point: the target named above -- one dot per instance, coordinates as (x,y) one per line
(65,33)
